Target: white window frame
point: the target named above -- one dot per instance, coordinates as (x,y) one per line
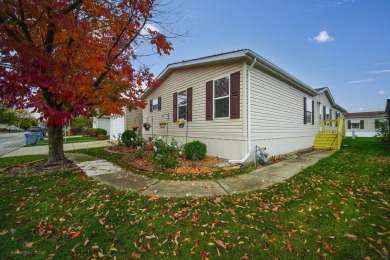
(154,104)
(227,96)
(178,104)
(309,108)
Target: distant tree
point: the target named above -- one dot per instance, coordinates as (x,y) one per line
(67,58)
(81,122)
(25,120)
(8,116)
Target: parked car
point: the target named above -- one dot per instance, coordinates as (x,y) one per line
(15,128)
(37,129)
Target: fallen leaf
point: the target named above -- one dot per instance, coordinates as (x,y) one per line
(29,244)
(4,232)
(86,242)
(150,237)
(329,247)
(220,243)
(350,236)
(75,234)
(336,216)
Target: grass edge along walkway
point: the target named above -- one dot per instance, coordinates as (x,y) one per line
(336,209)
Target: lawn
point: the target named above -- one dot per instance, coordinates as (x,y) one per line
(336,209)
(69,140)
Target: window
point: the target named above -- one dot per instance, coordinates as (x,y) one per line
(155,104)
(221,97)
(182,104)
(376,123)
(327,111)
(309,110)
(355,125)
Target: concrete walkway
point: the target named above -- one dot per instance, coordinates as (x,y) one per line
(113,175)
(44,149)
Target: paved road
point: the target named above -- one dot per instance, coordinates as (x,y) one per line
(11,141)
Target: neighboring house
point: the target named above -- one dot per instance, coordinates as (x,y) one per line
(234,102)
(363,124)
(114,125)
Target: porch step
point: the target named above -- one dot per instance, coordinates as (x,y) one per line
(326,141)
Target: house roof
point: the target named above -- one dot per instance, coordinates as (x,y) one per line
(330,98)
(243,54)
(365,114)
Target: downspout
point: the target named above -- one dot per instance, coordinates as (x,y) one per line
(248,114)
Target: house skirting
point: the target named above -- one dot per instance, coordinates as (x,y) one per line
(231,149)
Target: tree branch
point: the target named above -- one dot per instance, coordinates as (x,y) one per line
(71,7)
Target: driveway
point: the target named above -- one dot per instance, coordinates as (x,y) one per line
(11,141)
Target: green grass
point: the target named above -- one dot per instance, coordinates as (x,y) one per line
(66,215)
(11,161)
(69,140)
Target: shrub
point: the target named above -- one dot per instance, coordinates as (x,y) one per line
(3,130)
(76,130)
(127,137)
(89,132)
(195,150)
(165,155)
(101,137)
(133,139)
(382,132)
(101,131)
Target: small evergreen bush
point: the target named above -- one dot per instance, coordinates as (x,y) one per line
(132,139)
(128,137)
(195,150)
(89,132)
(101,131)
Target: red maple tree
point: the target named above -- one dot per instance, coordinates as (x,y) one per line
(69,58)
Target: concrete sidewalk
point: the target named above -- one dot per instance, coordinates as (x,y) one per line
(44,149)
(113,175)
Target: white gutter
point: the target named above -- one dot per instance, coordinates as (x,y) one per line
(248,114)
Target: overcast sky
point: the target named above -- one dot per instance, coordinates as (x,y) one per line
(341,44)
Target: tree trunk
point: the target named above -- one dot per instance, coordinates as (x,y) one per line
(56,146)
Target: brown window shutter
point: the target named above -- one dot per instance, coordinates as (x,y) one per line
(189,104)
(324,112)
(361,124)
(235,95)
(151,105)
(209,100)
(159,103)
(174,107)
(349,124)
(304,110)
(312,112)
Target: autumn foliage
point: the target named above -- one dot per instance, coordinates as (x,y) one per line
(68,58)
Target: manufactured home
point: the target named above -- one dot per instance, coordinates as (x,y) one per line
(234,102)
(364,124)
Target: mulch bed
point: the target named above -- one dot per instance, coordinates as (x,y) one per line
(185,166)
(35,168)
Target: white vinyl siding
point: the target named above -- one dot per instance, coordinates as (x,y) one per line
(277,115)
(224,137)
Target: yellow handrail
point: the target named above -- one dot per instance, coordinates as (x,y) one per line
(334,126)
